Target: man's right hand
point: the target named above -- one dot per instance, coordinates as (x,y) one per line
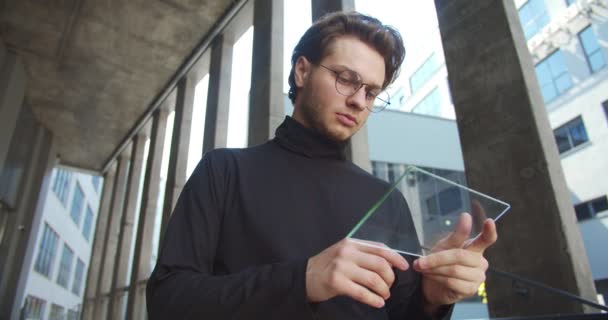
(349,268)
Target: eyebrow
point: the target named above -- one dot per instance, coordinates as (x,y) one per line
(370,86)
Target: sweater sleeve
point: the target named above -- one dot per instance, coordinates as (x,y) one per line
(183,284)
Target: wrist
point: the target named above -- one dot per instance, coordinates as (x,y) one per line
(434,310)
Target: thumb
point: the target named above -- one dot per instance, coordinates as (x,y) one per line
(457,238)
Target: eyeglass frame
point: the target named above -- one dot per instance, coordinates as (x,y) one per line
(359,86)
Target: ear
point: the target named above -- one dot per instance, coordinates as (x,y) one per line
(301,71)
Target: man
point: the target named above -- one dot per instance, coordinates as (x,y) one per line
(258,233)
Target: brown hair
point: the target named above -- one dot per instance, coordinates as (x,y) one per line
(316,40)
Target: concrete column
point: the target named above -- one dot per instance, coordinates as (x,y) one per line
(323,7)
(12,92)
(93,276)
(218,96)
(112,232)
(266,104)
(122,267)
(180,143)
(510,152)
(357,149)
(31,156)
(145,230)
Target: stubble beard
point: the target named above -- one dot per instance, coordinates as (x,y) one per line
(311,111)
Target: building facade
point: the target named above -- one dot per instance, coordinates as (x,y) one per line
(568,43)
(54,286)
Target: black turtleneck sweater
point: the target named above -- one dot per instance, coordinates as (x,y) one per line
(246,223)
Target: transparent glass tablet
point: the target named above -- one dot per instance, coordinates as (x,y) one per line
(435,205)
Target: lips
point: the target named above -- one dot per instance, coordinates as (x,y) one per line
(347,119)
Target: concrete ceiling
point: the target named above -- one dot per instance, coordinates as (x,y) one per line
(95,66)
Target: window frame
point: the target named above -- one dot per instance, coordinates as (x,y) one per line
(78,216)
(39,307)
(78,277)
(533,20)
(56,308)
(590,209)
(431,94)
(44,264)
(547,61)
(588,55)
(87,224)
(61,185)
(422,67)
(567,128)
(65,270)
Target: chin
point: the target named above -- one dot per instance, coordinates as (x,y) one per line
(340,134)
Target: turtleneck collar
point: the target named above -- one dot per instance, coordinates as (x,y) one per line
(295,137)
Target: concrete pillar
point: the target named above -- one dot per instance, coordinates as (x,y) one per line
(112,232)
(180,143)
(357,149)
(510,152)
(323,7)
(12,91)
(145,230)
(218,96)
(30,160)
(122,267)
(266,109)
(103,217)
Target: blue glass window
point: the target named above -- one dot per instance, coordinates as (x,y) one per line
(592,49)
(78,275)
(73,314)
(77,204)
(553,76)
(570,135)
(533,17)
(34,307)
(589,209)
(424,73)
(61,184)
(569,2)
(65,266)
(88,223)
(96,180)
(46,251)
(429,105)
(57,312)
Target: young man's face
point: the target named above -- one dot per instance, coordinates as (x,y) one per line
(320,106)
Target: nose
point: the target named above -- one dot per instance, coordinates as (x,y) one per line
(357,100)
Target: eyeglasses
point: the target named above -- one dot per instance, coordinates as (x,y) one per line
(348,82)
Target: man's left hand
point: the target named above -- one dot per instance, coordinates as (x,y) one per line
(455,269)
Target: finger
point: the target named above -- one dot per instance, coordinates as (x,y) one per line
(379,249)
(461,287)
(449,257)
(376,264)
(369,280)
(478,214)
(458,272)
(457,238)
(358,292)
(487,237)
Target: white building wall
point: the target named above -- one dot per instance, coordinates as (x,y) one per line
(57,216)
(584,164)
(408,138)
